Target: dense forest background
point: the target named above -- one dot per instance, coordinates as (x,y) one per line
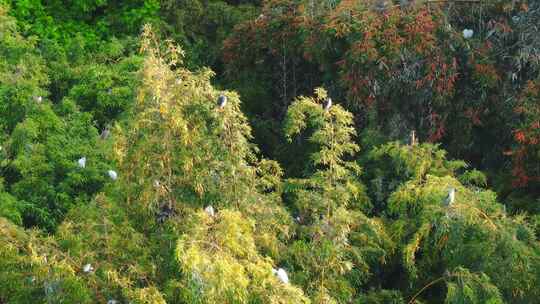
(185,151)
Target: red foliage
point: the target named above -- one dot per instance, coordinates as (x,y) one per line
(519,136)
(525,155)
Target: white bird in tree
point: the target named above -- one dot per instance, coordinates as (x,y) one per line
(210,211)
(468,33)
(112,174)
(327,104)
(105,133)
(222,101)
(82,162)
(88,268)
(112,301)
(281,274)
(38,99)
(413,139)
(450,197)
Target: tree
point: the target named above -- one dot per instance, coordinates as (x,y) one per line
(336,241)
(464,244)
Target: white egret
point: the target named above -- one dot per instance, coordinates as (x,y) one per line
(105,133)
(88,268)
(281,274)
(468,33)
(82,162)
(210,211)
(112,174)
(327,104)
(450,197)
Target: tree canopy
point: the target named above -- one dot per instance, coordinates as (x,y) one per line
(276,151)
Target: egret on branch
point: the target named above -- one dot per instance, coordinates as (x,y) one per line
(467,33)
(450,197)
(88,268)
(112,174)
(82,162)
(105,133)
(210,211)
(282,275)
(327,104)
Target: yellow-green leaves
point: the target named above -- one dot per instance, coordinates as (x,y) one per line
(198,152)
(332,130)
(328,201)
(221,263)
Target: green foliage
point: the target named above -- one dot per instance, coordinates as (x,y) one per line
(392,164)
(202,26)
(473,232)
(328,202)
(198,215)
(10,208)
(466,287)
(22,74)
(92,20)
(33,268)
(46,178)
(106,91)
(42,142)
(382,297)
(221,263)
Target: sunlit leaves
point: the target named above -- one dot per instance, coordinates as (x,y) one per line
(221,263)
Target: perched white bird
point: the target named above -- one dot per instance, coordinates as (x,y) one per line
(210,211)
(281,274)
(82,162)
(88,268)
(450,197)
(38,99)
(413,139)
(156,183)
(468,33)
(105,133)
(112,174)
(327,104)
(222,101)
(112,301)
